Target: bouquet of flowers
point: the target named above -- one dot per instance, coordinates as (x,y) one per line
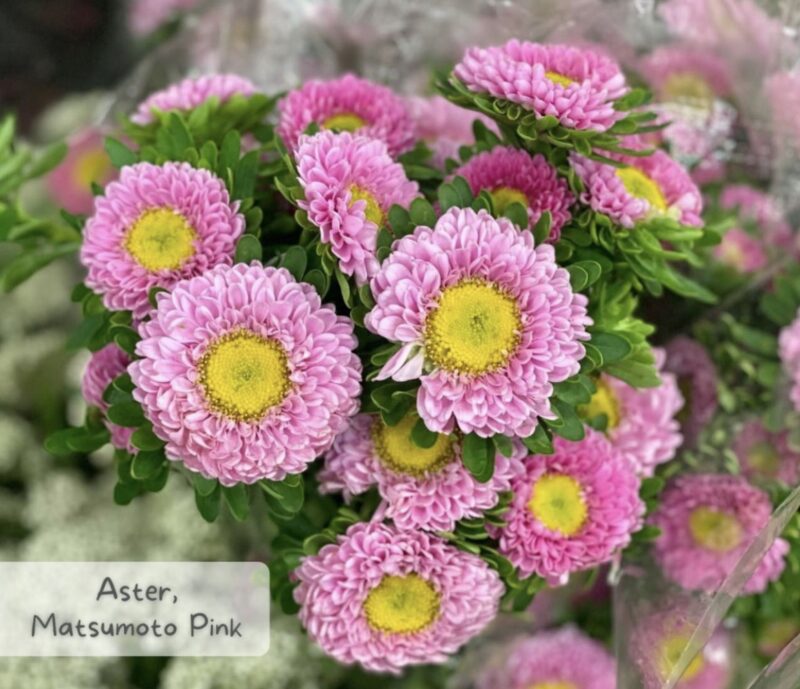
(459,351)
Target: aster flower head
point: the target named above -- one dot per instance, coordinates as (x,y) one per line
(512,175)
(707,522)
(350,183)
(387,598)
(563,658)
(741,251)
(575,85)
(487,322)
(571,510)
(422,488)
(191,93)
(687,73)
(104,366)
(654,185)
(86,162)
(765,454)
(640,423)
(347,104)
(696,377)
(789,350)
(245,374)
(156,225)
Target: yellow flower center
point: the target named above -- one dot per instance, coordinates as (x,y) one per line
(715,530)
(396,449)
(372,211)
(503,197)
(244,375)
(557,502)
(559,79)
(92,166)
(344,122)
(553,684)
(402,605)
(732,254)
(473,329)
(604,401)
(642,186)
(161,239)
(764,458)
(671,649)
(687,87)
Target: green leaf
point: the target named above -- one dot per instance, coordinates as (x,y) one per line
(229,153)
(119,153)
(208,505)
(238,500)
(51,157)
(248,249)
(144,438)
(245,176)
(422,213)
(448,197)
(400,221)
(518,214)
(56,443)
(290,492)
(126,338)
(124,493)
(27,264)
(203,485)
(579,278)
(572,426)
(540,443)
(503,444)
(613,347)
(422,436)
(478,456)
(295,260)
(127,414)
(318,280)
(84,333)
(146,464)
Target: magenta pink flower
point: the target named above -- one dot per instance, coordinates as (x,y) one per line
(762,209)
(155,226)
(245,374)
(741,251)
(512,175)
(105,365)
(191,93)
(554,659)
(350,183)
(444,126)
(423,488)
(70,184)
(696,377)
(572,510)
(641,423)
(577,86)
(686,73)
(487,322)
(707,521)
(655,185)
(764,454)
(789,350)
(386,598)
(347,104)
(145,16)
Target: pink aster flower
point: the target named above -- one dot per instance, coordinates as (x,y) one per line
(760,208)
(764,454)
(655,185)
(70,184)
(155,226)
(686,72)
(571,510)
(487,321)
(347,104)
(104,366)
(563,657)
(511,175)
(387,598)
(145,16)
(191,93)
(789,350)
(696,377)
(707,522)
(640,422)
(444,126)
(245,374)
(741,251)
(423,488)
(577,86)
(350,183)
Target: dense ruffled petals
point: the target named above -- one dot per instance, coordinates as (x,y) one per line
(468,246)
(192,92)
(696,377)
(514,170)
(347,181)
(575,85)
(609,492)
(197,197)
(707,522)
(105,365)
(378,112)
(335,584)
(322,379)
